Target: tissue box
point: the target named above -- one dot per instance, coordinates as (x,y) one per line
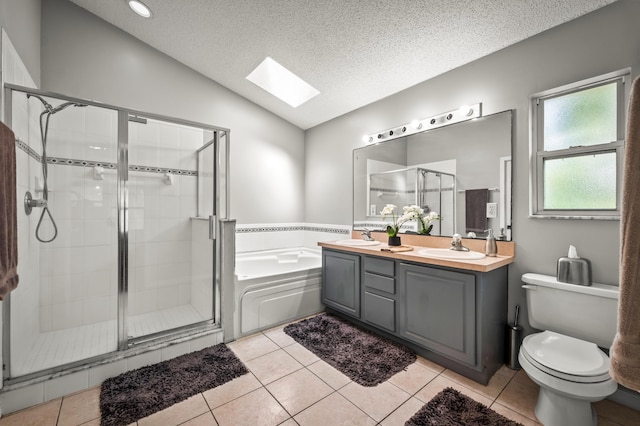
(574,271)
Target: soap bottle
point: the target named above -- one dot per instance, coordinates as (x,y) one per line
(490,247)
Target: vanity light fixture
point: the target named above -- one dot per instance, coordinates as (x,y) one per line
(140,8)
(282,83)
(464,113)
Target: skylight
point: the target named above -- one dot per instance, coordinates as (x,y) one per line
(282,83)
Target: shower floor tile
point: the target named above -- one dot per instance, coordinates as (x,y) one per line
(59,347)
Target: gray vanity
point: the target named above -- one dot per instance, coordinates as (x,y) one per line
(453,313)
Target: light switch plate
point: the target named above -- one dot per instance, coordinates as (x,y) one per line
(492,210)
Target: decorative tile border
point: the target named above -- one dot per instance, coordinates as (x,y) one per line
(244,229)
(84,163)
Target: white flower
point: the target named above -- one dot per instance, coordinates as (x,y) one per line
(431,216)
(389,209)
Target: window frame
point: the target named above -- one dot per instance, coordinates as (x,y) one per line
(538,155)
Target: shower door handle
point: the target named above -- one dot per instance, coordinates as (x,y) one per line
(212,227)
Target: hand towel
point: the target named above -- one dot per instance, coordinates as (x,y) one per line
(475,205)
(625,351)
(8,213)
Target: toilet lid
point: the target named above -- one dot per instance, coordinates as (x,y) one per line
(566,357)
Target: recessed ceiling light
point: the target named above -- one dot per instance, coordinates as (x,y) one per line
(140,8)
(282,83)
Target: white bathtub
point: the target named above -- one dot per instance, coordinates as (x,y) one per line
(276,286)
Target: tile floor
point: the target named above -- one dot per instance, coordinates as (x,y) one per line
(288,385)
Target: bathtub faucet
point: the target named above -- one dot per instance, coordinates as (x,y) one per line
(366,235)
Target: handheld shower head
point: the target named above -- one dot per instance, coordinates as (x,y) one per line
(47,105)
(65,105)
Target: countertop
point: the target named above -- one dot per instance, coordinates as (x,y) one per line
(485,264)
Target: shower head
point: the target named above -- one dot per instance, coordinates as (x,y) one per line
(47,105)
(50,109)
(65,105)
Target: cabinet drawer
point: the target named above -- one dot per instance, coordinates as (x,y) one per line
(378,282)
(380,311)
(379,266)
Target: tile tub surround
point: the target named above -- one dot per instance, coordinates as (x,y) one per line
(288,385)
(270,236)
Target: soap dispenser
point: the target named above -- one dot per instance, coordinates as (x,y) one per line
(491,247)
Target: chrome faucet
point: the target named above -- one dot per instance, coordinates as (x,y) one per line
(366,235)
(456,243)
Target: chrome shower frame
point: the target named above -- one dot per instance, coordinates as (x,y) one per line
(129,346)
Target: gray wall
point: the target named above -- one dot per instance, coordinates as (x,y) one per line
(600,42)
(87,57)
(21,20)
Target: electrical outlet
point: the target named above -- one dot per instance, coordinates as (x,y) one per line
(492,210)
(372,210)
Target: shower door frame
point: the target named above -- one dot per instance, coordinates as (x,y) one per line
(220,197)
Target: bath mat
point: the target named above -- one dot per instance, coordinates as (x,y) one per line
(451,408)
(147,390)
(362,356)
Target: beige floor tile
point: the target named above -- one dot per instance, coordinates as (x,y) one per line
(299,390)
(289,422)
(252,347)
(279,337)
(205,419)
(40,415)
(430,364)
(329,375)
(377,401)
(512,415)
(496,384)
(231,390)
(80,407)
(273,366)
(414,378)
(403,413)
(617,413)
(333,410)
(303,355)
(602,421)
(522,377)
(255,408)
(520,396)
(177,413)
(506,371)
(439,383)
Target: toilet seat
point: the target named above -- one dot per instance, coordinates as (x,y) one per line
(566,358)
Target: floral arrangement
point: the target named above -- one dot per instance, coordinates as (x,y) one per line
(409,213)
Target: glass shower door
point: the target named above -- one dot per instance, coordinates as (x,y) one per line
(170,281)
(65,308)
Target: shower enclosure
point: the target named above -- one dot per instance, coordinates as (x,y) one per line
(430,189)
(116,238)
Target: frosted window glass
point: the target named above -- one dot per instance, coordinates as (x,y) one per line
(587,117)
(581,182)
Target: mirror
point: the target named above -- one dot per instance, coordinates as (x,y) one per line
(461,171)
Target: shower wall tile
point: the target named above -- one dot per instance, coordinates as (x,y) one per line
(100,373)
(21,398)
(65,385)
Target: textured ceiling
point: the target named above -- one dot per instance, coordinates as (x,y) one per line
(353,51)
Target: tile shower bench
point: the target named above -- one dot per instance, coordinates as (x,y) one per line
(452,312)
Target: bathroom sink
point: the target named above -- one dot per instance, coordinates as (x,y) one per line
(357,243)
(445,253)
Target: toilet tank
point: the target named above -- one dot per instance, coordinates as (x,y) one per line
(586,312)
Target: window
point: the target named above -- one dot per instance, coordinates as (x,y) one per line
(577,147)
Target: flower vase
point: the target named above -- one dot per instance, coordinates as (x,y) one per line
(394,241)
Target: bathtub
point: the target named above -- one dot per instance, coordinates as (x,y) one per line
(276,286)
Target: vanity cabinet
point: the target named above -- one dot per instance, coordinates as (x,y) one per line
(438,310)
(452,316)
(341,282)
(379,293)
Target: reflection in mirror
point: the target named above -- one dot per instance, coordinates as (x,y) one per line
(462,172)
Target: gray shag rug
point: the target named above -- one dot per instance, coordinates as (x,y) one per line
(147,390)
(364,357)
(451,408)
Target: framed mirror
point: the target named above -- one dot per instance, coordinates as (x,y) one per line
(461,171)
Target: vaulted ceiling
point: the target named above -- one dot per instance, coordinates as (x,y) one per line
(354,52)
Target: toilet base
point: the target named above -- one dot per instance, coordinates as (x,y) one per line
(556,409)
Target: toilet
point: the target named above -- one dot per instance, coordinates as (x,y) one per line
(565,359)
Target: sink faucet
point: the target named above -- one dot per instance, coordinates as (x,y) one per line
(366,235)
(456,243)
